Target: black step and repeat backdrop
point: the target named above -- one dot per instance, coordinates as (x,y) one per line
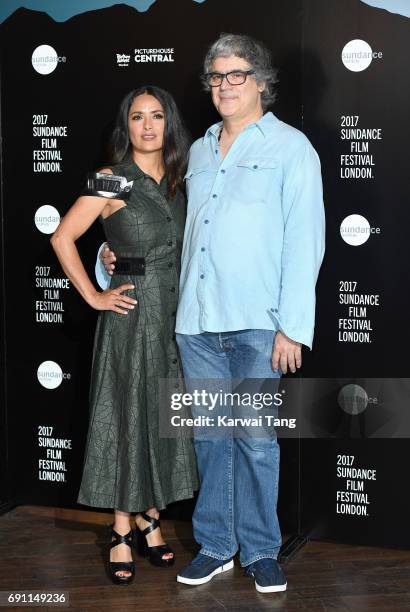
(344,81)
(356,95)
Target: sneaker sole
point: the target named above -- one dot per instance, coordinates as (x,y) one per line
(277,588)
(195,581)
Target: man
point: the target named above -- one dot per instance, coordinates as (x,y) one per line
(253,246)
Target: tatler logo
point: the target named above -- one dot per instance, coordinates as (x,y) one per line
(357,55)
(355,230)
(47,219)
(123,59)
(50,375)
(45,59)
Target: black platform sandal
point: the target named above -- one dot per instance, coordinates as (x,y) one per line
(153,553)
(121,566)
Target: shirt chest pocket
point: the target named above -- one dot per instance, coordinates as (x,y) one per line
(257,178)
(199,181)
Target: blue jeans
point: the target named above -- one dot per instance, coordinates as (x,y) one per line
(237,501)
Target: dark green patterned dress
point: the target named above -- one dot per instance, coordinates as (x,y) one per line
(127,465)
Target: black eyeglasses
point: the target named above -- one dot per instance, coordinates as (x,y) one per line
(234,77)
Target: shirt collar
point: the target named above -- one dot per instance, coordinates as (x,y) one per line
(263,124)
(132,170)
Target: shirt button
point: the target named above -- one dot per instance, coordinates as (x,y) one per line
(172,289)
(214,195)
(255,167)
(169,219)
(202,276)
(175,361)
(170,264)
(206,221)
(216,150)
(223,171)
(202,249)
(169,243)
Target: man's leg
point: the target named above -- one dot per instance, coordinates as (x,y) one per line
(256,458)
(204,361)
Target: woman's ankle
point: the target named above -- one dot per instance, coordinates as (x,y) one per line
(121,524)
(152,512)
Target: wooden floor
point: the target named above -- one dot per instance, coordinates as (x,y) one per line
(52,548)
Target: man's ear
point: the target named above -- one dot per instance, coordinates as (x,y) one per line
(261,86)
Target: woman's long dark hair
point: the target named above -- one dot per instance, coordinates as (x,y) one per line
(176,138)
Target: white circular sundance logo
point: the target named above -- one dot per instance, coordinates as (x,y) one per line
(357,55)
(355,230)
(44,59)
(47,219)
(49,374)
(353,399)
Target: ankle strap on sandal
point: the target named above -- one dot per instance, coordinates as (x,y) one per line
(150,519)
(121,539)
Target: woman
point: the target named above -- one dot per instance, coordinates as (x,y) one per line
(127,466)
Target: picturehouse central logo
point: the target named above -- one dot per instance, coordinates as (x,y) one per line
(47,219)
(45,59)
(357,55)
(153,55)
(355,230)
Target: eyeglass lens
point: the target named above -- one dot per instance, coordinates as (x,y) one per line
(236,77)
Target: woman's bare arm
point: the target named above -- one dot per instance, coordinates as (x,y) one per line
(75,223)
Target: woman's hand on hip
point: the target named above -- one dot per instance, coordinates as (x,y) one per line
(112,299)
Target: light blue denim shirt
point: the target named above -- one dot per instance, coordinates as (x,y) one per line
(254,235)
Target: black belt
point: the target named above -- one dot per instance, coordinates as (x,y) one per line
(130,265)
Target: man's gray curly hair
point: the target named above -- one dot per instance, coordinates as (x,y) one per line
(251,50)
